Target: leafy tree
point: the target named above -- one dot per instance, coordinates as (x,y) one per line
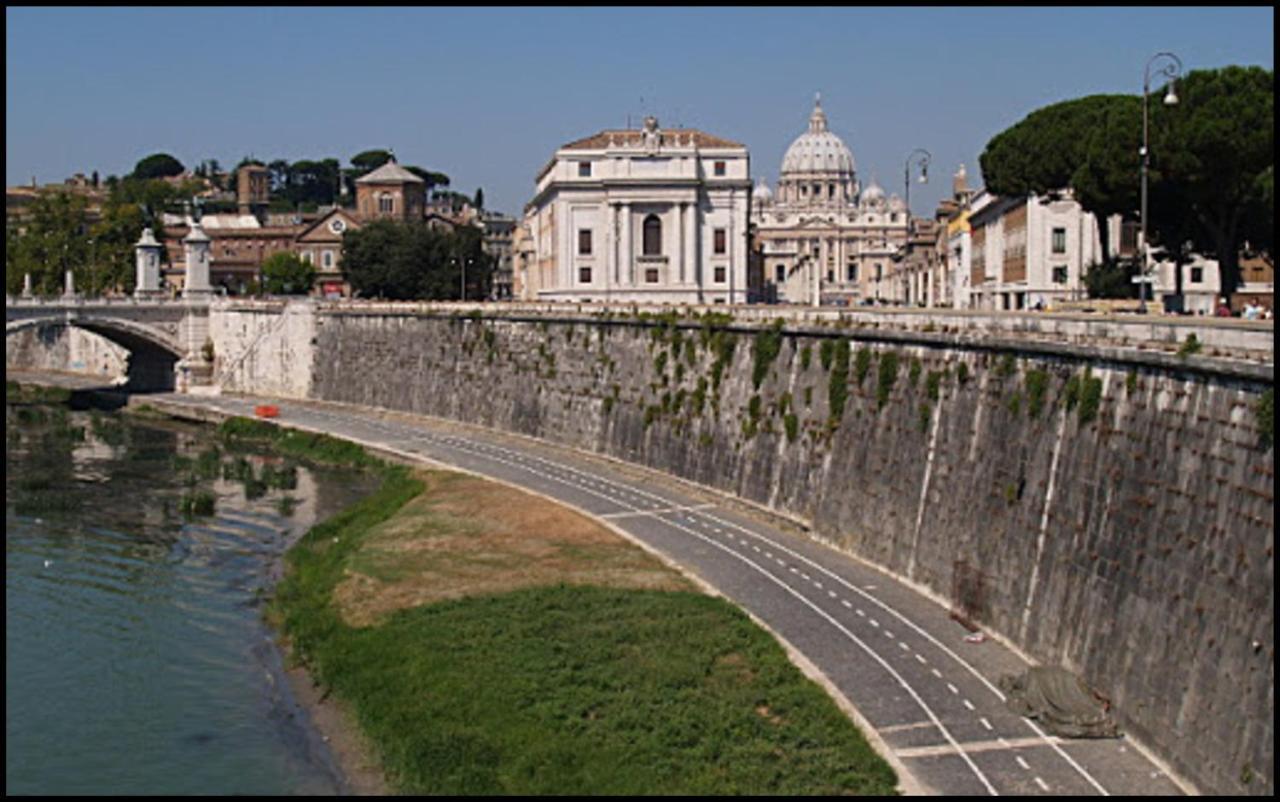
(157,165)
(113,266)
(369,160)
(479,204)
(411,261)
(431,179)
(283,273)
(1218,144)
(1089,145)
(1112,279)
(53,242)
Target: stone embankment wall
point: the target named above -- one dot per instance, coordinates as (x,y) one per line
(1103,506)
(66,349)
(1113,517)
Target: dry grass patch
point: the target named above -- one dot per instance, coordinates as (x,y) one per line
(465,536)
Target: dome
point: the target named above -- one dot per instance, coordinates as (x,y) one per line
(874,193)
(762,194)
(818,150)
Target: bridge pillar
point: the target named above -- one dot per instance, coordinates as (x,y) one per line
(148,266)
(194,372)
(196,248)
(69,286)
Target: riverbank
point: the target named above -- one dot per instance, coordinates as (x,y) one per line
(549,625)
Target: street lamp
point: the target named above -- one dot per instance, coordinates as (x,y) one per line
(463,263)
(923,163)
(1172,71)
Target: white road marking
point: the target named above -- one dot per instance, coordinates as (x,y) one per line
(1042,784)
(1022,762)
(473,448)
(968,704)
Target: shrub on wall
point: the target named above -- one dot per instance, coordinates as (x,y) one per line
(888,375)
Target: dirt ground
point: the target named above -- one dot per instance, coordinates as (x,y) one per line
(464,536)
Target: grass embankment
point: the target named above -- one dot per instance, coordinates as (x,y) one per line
(491,642)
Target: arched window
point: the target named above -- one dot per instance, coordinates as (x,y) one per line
(652,236)
(386,203)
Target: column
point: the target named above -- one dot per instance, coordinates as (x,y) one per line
(680,238)
(693,263)
(610,246)
(628,253)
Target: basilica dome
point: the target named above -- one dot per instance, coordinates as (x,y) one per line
(873,194)
(762,194)
(818,150)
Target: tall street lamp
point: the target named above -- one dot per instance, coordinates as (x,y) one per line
(1172,71)
(922,158)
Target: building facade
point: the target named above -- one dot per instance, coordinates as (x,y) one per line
(1032,252)
(822,237)
(651,216)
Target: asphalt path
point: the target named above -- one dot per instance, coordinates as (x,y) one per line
(929,696)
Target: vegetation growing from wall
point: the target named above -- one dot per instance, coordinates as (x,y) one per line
(1085,392)
(838,389)
(1265,410)
(1036,383)
(765,348)
(888,374)
(862,365)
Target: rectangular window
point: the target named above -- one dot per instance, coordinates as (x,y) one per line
(584,242)
(328,259)
(1197,275)
(584,275)
(1060,274)
(719,168)
(1059,240)
(719,275)
(878,272)
(651,275)
(720,241)
(780,273)
(852,272)
(584,169)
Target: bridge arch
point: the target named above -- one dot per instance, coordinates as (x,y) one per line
(153,354)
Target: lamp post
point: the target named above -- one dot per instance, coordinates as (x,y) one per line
(923,163)
(1172,70)
(922,158)
(463,262)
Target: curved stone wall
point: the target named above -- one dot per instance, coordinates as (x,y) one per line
(1110,513)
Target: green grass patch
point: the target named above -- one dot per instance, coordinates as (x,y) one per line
(861,365)
(566,689)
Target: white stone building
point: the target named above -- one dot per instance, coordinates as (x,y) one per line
(651,215)
(1033,251)
(822,237)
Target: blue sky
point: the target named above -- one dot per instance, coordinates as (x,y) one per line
(487,94)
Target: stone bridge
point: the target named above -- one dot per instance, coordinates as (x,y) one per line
(164,338)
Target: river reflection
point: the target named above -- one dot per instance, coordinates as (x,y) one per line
(136,659)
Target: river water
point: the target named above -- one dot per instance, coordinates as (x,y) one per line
(136,659)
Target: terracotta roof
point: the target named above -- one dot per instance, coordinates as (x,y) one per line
(390,173)
(670,136)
